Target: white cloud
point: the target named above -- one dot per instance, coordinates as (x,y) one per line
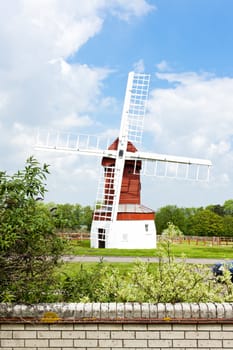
(72,120)
(195,106)
(38,85)
(193,117)
(3,100)
(163,66)
(65,66)
(68,25)
(126,9)
(220,148)
(34,34)
(139,66)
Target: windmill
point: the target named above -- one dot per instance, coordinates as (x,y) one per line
(119,219)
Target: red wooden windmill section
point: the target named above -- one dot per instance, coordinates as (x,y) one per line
(137,212)
(130,207)
(131,185)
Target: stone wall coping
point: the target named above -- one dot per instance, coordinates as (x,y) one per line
(117,312)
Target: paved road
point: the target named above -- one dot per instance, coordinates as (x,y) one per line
(127,259)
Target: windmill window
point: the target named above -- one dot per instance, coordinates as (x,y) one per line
(130,170)
(101,234)
(146,227)
(121,152)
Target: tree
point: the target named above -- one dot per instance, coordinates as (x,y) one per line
(228,226)
(216,208)
(170,214)
(205,223)
(67,217)
(228,207)
(70,217)
(86,217)
(29,246)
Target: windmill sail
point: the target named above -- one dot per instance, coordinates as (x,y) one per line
(135,108)
(165,165)
(153,164)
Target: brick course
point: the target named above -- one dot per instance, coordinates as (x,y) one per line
(116,326)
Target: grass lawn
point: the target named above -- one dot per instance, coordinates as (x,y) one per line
(189,250)
(73,268)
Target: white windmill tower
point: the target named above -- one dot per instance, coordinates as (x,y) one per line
(120,220)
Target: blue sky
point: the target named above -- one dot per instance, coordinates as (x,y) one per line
(192,35)
(64,65)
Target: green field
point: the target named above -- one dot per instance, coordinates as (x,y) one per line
(73,268)
(178,250)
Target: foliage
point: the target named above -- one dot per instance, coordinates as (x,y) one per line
(70,217)
(169,281)
(74,217)
(86,217)
(28,245)
(228,226)
(171,213)
(216,208)
(174,281)
(214,220)
(205,223)
(87,284)
(67,217)
(172,231)
(228,207)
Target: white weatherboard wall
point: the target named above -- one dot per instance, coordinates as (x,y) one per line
(133,234)
(206,326)
(127,234)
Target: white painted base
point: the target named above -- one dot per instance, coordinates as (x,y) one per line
(128,234)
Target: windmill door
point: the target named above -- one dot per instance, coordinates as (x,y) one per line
(101,238)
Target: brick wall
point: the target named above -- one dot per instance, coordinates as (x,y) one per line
(116,326)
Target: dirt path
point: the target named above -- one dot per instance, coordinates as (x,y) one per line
(126,259)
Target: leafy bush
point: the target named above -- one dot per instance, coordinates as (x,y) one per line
(29,248)
(169,281)
(83,286)
(172,231)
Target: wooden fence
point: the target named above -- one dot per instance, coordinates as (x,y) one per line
(79,236)
(198,240)
(205,241)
